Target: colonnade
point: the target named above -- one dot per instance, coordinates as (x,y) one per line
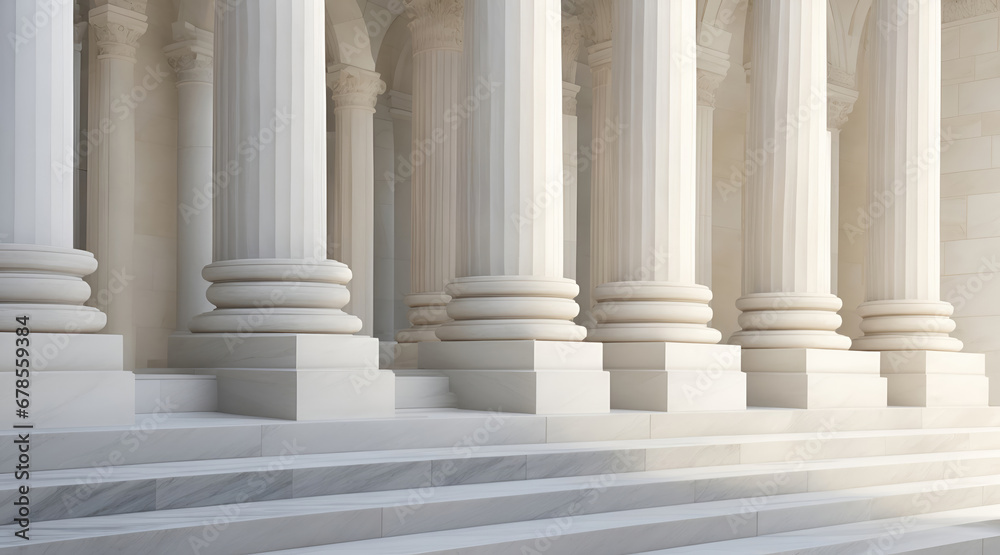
(492,303)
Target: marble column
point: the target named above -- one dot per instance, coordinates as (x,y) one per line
(572,38)
(191,58)
(652,315)
(437,27)
(791,351)
(512,344)
(840,103)
(597,18)
(118,25)
(712,68)
(75,376)
(278,342)
(903,315)
(351,208)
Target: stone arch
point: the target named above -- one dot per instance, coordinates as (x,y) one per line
(347,38)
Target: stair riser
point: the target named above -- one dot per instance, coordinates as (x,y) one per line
(103,494)
(166,438)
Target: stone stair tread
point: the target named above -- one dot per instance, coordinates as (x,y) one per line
(850,538)
(898,535)
(348,505)
(157,470)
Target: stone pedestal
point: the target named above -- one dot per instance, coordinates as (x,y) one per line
(538,377)
(290,376)
(813,378)
(675,377)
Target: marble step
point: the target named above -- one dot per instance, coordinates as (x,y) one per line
(694,528)
(587,513)
(968,531)
(114,489)
(166,436)
(158,392)
(419,389)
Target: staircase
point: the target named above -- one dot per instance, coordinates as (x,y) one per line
(436,481)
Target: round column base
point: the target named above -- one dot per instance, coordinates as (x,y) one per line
(640,311)
(427,312)
(46,284)
(277,296)
(906,325)
(508,308)
(789,321)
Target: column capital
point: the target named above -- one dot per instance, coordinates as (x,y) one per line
(840,103)
(353,86)
(596,19)
(569,90)
(191,55)
(118,25)
(436,24)
(712,69)
(572,39)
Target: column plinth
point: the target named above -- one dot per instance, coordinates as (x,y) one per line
(789,315)
(903,315)
(278,341)
(510,301)
(76,376)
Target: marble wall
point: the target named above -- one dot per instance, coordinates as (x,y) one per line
(970,184)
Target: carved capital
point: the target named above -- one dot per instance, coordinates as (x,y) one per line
(118,29)
(354,87)
(572,39)
(708,84)
(596,19)
(191,59)
(570,90)
(839,105)
(436,24)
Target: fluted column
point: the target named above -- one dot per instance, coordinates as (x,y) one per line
(351,210)
(278,341)
(437,27)
(118,25)
(786,300)
(903,314)
(191,58)
(712,69)
(652,310)
(840,103)
(512,342)
(792,353)
(597,18)
(75,376)
(572,38)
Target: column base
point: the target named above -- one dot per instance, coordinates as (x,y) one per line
(76,381)
(936,378)
(675,377)
(529,376)
(813,378)
(290,376)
